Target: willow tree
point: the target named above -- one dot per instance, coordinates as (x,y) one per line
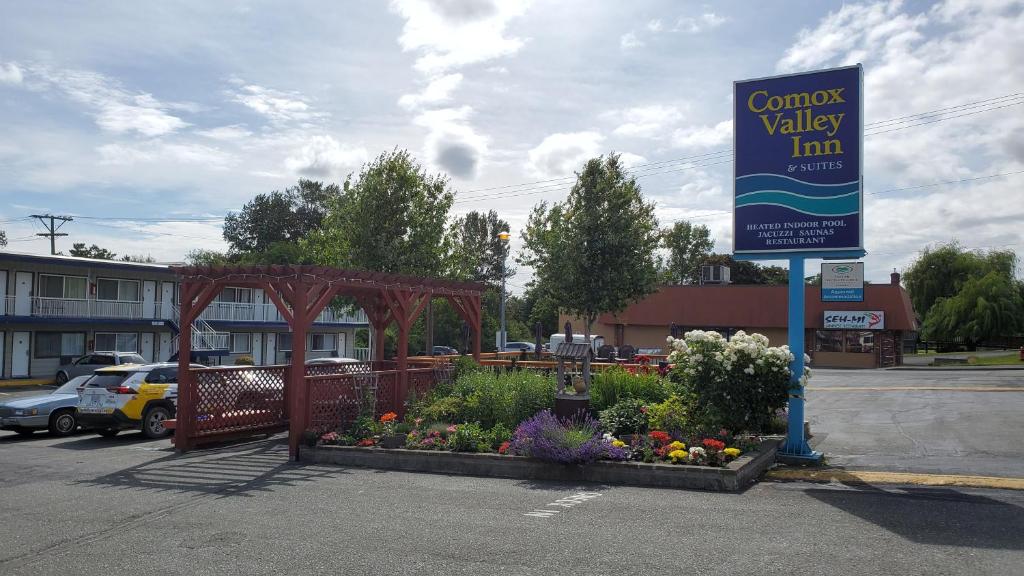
(594,253)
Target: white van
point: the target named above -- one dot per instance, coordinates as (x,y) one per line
(556,339)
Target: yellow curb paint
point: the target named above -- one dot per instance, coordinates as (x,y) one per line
(19,383)
(914,388)
(871,477)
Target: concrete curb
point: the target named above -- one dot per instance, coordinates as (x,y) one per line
(826,475)
(737,475)
(955,368)
(24,383)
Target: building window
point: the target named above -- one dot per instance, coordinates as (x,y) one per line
(284,342)
(235,295)
(321,342)
(119,290)
(57,344)
(241,343)
(828,341)
(52,286)
(116,342)
(860,341)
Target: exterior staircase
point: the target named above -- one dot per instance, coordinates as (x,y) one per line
(206,341)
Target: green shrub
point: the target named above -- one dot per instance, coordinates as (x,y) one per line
(465,365)
(614,384)
(507,398)
(467,438)
(442,409)
(500,433)
(245,360)
(627,416)
(672,415)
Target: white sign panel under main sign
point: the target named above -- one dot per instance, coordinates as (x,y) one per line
(842,282)
(855,319)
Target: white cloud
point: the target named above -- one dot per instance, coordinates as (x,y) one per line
(697,24)
(10,73)
(279,107)
(324,157)
(438,91)
(560,154)
(630,160)
(114,108)
(120,154)
(226,133)
(454,33)
(629,41)
(703,136)
(452,144)
(655,25)
(651,121)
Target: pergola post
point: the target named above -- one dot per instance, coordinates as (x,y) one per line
(405,305)
(183,425)
(468,307)
(297,373)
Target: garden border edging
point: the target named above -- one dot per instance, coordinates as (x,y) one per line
(733,477)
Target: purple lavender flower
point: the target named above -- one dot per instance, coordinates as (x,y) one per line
(575,441)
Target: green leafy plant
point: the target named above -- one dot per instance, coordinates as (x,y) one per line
(614,384)
(628,416)
(467,438)
(672,415)
(498,435)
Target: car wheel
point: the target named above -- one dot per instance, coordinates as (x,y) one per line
(108,432)
(62,378)
(25,432)
(62,423)
(153,422)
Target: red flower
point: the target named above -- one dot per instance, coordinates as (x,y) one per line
(643,409)
(389,417)
(712,444)
(660,437)
(504,447)
(365,442)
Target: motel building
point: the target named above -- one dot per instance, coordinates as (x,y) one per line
(866,334)
(54,309)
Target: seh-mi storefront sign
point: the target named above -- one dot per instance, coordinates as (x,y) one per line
(798,184)
(854,320)
(842,282)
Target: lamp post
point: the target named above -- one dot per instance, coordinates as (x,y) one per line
(503,236)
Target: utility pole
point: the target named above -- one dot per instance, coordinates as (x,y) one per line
(504,237)
(52,228)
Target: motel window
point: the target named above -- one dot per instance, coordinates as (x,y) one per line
(118,290)
(235,295)
(116,342)
(321,342)
(241,342)
(284,342)
(57,344)
(54,286)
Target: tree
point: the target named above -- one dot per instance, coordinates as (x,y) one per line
(478,254)
(943,271)
(392,218)
(147,259)
(983,308)
(595,252)
(3,238)
(280,216)
(79,249)
(202,257)
(687,246)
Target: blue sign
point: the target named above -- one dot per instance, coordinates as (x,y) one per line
(798,143)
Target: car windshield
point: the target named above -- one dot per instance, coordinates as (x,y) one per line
(70,386)
(132,359)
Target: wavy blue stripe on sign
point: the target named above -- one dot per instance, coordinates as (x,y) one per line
(758,182)
(808,212)
(834,206)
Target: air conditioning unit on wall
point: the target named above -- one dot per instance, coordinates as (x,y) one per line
(714,274)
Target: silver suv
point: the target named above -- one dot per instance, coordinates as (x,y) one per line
(91,362)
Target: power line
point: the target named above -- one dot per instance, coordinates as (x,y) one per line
(51,230)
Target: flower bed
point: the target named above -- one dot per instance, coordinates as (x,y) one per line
(708,411)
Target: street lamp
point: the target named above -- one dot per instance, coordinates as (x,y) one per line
(503,237)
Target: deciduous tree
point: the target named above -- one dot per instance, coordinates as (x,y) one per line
(687,247)
(79,249)
(280,216)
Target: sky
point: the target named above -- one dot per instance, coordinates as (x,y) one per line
(126,115)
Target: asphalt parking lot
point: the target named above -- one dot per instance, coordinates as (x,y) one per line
(90,505)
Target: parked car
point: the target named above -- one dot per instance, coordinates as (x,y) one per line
(86,365)
(445,351)
(54,411)
(519,346)
(332,360)
(136,396)
(595,341)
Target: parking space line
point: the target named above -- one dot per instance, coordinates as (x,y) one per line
(563,503)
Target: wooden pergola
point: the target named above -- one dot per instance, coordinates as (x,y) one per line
(300,293)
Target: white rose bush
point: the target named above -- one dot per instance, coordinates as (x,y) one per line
(737,384)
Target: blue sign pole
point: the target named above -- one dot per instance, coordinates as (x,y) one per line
(796,444)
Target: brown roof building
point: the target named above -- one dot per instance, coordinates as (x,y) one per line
(838,334)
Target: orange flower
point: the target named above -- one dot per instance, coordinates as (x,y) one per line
(389,417)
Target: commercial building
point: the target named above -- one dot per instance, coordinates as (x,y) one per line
(866,334)
(55,308)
